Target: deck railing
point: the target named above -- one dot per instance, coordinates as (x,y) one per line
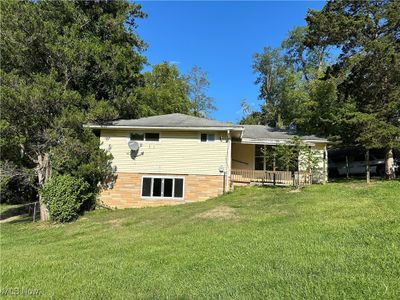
(270,177)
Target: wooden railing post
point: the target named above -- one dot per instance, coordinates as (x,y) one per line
(265,177)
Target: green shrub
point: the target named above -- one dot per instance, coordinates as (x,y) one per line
(64,195)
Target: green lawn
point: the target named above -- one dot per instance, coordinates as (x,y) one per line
(341,240)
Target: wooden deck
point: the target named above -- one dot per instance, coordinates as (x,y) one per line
(285,178)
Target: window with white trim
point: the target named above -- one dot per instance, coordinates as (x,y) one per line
(145,136)
(207,137)
(162,187)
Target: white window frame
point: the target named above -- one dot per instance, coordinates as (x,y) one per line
(260,156)
(144,136)
(208,141)
(162,188)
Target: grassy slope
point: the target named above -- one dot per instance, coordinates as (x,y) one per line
(334,241)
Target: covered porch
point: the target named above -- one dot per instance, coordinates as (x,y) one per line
(250,166)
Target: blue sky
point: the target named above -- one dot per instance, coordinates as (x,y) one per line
(221,38)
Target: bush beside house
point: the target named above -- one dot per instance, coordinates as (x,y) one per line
(64,196)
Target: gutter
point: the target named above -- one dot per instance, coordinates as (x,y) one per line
(127,127)
(276,141)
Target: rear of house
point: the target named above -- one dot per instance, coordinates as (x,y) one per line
(178,158)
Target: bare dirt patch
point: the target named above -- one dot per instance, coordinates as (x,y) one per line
(361,186)
(219,212)
(116,222)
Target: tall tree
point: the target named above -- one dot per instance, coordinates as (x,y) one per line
(165,91)
(92,47)
(367,33)
(290,85)
(250,116)
(76,61)
(201,104)
(309,62)
(270,69)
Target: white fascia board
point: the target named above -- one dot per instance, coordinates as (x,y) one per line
(164,128)
(262,142)
(277,142)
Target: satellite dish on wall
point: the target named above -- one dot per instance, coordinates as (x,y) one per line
(133,145)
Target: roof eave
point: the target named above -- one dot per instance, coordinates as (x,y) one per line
(278,141)
(177,128)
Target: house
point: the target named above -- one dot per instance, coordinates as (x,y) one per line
(176,158)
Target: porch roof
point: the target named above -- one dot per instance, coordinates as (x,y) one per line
(261,134)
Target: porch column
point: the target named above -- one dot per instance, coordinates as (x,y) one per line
(229,162)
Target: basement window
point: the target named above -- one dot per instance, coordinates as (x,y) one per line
(207,137)
(162,187)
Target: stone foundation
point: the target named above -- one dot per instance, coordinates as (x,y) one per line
(126,191)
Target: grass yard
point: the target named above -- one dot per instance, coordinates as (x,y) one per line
(341,240)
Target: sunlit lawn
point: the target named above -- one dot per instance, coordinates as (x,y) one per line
(341,240)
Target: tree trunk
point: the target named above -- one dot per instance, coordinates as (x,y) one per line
(347,167)
(389,162)
(43,171)
(44,212)
(367,166)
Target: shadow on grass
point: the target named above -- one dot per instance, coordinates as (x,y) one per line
(19,213)
(355,179)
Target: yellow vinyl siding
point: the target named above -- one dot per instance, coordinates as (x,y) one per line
(175,153)
(243,156)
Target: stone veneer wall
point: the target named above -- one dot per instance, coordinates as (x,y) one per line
(127,189)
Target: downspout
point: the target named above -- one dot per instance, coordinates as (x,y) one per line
(229,162)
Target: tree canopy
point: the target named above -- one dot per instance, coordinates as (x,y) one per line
(165,91)
(367,34)
(67,63)
(201,104)
(368,66)
(338,76)
(289,78)
(63,64)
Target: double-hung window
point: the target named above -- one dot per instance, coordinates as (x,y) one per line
(147,136)
(260,158)
(162,187)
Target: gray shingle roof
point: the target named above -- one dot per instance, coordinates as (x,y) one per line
(172,120)
(261,132)
(251,132)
